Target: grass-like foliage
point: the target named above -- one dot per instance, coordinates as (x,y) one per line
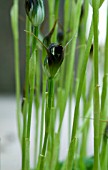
(54,79)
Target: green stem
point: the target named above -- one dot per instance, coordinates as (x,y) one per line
(14,23)
(82,41)
(104,162)
(96,90)
(50,92)
(17,77)
(86,123)
(69,118)
(25,109)
(76,112)
(31,81)
(37,102)
(104,95)
(29,112)
(43,105)
(47,118)
(51,14)
(106,47)
(32,65)
(56,8)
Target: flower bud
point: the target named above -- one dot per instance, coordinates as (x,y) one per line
(35,11)
(54,60)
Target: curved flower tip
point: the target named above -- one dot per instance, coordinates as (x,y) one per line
(35,11)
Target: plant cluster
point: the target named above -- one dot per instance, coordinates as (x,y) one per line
(51,81)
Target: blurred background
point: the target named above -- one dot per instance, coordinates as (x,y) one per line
(7,79)
(10,153)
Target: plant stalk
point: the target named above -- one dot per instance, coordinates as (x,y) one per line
(96,86)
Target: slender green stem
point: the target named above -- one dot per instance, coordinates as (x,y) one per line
(95,26)
(24,135)
(104,104)
(71,59)
(104,162)
(14,23)
(76,112)
(70,5)
(69,117)
(42,115)
(51,12)
(96,90)
(56,17)
(43,103)
(50,92)
(17,76)
(47,118)
(103,113)
(106,47)
(30,111)
(86,123)
(25,108)
(82,40)
(37,102)
(56,7)
(32,65)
